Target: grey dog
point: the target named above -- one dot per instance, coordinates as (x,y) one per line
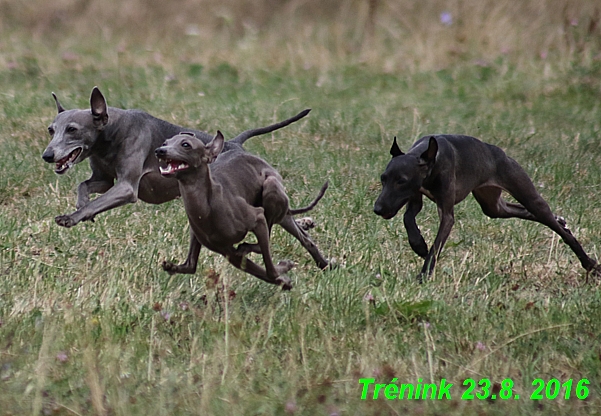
(120,145)
(227,197)
(446,168)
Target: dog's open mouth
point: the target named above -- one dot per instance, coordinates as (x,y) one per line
(65,163)
(170,167)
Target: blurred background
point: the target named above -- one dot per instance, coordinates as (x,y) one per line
(90,322)
(386,35)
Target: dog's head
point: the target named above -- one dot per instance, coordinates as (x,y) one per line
(403,178)
(185,153)
(74,132)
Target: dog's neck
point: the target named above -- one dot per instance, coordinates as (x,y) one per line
(197,190)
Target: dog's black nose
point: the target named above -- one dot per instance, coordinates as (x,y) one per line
(48,156)
(160,151)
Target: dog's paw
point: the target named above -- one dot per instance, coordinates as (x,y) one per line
(65,221)
(305,223)
(284,282)
(169,267)
(421,277)
(562,221)
(284,266)
(332,264)
(593,268)
(173,268)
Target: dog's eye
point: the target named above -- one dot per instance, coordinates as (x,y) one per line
(71,129)
(51,131)
(402,180)
(185,144)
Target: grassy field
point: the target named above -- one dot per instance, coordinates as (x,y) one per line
(90,324)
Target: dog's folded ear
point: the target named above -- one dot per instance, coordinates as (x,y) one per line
(99,108)
(430,154)
(59,107)
(395,150)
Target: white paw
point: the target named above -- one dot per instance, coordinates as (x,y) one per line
(306,223)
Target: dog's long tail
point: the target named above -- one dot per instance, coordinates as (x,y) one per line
(244,136)
(312,204)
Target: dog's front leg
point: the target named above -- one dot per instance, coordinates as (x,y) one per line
(447,219)
(189,266)
(125,191)
(416,240)
(98,183)
(120,194)
(91,186)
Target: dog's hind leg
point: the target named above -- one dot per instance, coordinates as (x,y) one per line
(271,273)
(261,231)
(305,224)
(276,206)
(540,209)
(494,206)
(275,201)
(248,266)
(245,248)
(531,207)
(292,227)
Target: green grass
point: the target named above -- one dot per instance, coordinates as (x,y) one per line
(89,323)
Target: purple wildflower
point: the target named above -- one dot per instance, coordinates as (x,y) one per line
(446,18)
(62,357)
(291,407)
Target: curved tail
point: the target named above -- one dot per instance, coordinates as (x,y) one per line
(312,204)
(244,136)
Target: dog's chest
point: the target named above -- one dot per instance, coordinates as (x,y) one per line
(105,166)
(216,230)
